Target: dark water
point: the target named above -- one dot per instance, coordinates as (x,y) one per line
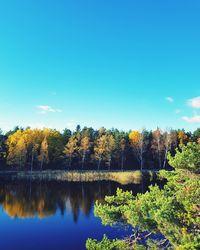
(52,215)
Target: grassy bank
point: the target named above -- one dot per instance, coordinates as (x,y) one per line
(76,176)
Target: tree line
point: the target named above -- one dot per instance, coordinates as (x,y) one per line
(87,148)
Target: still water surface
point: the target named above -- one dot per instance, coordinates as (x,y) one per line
(52,215)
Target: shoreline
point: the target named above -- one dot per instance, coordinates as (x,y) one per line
(125,177)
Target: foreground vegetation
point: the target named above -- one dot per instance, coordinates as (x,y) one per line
(167,218)
(39,149)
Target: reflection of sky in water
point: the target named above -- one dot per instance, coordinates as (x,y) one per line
(66,217)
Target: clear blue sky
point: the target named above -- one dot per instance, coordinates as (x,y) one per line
(125,64)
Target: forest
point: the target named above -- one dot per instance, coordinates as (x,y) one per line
(87,148)
(164,217)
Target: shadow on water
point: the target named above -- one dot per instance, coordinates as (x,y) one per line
(40,215)
(29,199)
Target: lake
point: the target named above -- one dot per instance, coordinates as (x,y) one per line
(55,215)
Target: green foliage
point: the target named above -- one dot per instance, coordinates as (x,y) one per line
(188,157)
(2,146)
(173,211)
(106,244)
(55,146)
(196,135)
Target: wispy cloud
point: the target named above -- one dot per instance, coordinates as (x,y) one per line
(192,119)
(194,102)
(48,109)
(169,99)
(70,124)
(177,111)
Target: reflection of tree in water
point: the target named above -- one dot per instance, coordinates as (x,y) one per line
(42,199)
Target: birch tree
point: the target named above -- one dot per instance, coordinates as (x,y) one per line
(110,146)
(44,156)
(123,145)
(84,149)
(137,140)
(100,149)
(158,146)
(71,148)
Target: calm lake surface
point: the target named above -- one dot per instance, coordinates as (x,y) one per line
(52,215)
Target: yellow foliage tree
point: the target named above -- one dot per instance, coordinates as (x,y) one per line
(44,156)
(100,149)
(17,149)
(137,141)
(71,148)
(158,145)
(84,148)
(182,137)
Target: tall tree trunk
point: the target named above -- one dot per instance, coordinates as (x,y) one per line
(141,166)
(70,161)
(159,155)
(165,160)
(141,158)
(99,163)
(83,160)
(109,163)
(20,160)
(160,160)
(122,162)
(41,163)
(32,158)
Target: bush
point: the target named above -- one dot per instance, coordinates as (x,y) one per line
(187,157)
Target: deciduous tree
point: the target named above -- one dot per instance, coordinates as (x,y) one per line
(44,156)
(138,144)
(84,149)
(183,138)
(71,148)
(158,146)
(100,149)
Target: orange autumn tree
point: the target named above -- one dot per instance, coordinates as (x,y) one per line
(183,138)
(138,144)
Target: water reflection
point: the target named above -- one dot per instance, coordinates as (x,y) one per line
(43,199)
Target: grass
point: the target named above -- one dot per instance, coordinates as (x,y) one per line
(123,178)
(126,177)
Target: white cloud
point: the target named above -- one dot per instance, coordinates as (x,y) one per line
(169,99)
(193,119)
(194,102)
(47,109)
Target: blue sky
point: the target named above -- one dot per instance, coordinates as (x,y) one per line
(100,63)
